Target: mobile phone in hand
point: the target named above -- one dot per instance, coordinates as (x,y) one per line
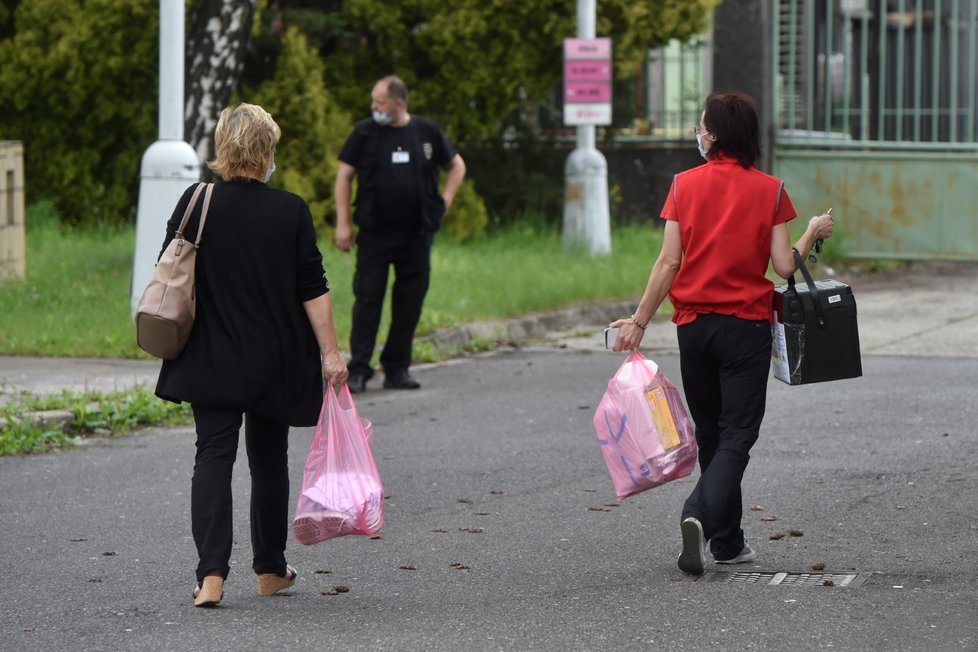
(610,337)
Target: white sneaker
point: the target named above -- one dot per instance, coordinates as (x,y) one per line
(746,555)
(692,559)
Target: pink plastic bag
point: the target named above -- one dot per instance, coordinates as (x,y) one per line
(341,488)
(645,433)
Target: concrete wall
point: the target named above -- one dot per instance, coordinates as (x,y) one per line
(13,253)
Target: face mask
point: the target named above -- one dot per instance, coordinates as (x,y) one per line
(699,145)
(268,175)
(383,119)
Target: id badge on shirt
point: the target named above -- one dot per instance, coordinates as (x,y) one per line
(400,157)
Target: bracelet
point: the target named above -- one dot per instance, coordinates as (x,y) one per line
(635,321)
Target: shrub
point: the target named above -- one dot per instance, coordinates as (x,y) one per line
(313,127)
(78,87)
(468,217)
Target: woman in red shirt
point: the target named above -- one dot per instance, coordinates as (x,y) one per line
(725,221)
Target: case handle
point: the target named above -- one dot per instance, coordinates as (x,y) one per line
(812,288)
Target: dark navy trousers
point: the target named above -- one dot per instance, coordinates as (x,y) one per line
(409,253)
(725,364)
(267,443)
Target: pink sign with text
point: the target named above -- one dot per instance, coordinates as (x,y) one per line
(587,81)
(587,70)
(587,48)
(587,92)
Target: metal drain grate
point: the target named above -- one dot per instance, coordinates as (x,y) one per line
(781,579)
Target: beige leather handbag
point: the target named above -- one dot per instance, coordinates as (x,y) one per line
(165,313)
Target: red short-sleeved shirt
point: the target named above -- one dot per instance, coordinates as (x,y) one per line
(725,214)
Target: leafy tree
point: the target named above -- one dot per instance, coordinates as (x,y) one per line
(478,67)
(7,9)
(314,128)
(217,41)
(470,63)
(78,87)
(78,78)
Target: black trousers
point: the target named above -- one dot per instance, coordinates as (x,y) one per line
(267,443)
(409,253)
(725,363)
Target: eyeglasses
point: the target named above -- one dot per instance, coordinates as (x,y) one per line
(698,130)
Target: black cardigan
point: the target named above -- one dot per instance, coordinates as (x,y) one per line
(251,348)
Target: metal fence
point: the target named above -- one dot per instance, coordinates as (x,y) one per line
(679,79)
(877,73)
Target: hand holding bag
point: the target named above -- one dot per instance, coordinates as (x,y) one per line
(341,488)
(165,313)
(645,433)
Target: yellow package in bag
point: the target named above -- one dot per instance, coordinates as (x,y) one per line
(665,425)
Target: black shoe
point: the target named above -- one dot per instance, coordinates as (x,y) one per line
(400,380)
(357,383)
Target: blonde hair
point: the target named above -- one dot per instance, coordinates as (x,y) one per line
(244,140)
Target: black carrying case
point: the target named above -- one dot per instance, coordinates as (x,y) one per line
(816,338)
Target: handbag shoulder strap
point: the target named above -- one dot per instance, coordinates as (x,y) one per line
(190,208)
(203,214)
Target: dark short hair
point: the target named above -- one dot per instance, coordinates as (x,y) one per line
(396,88)
(731,117)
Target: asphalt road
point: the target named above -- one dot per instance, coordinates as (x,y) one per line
(494,466)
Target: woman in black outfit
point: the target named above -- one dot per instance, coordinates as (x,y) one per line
(262,341)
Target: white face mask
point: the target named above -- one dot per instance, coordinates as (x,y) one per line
(268,174)
(383,119)
(700,146)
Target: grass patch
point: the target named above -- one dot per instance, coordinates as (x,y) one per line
(523,269)
(75,298)
(94,413)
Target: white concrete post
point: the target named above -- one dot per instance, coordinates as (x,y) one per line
(170,164)
(587,221)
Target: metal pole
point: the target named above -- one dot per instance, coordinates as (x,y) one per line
(171,71)
(170,164)
(586,10)
(587,223)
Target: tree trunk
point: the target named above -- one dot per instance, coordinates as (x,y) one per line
(216,47)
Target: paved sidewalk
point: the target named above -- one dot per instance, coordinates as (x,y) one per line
(926,309)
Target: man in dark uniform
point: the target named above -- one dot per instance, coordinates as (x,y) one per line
(396,159)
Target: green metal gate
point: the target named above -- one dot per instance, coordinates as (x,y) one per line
(876,105)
